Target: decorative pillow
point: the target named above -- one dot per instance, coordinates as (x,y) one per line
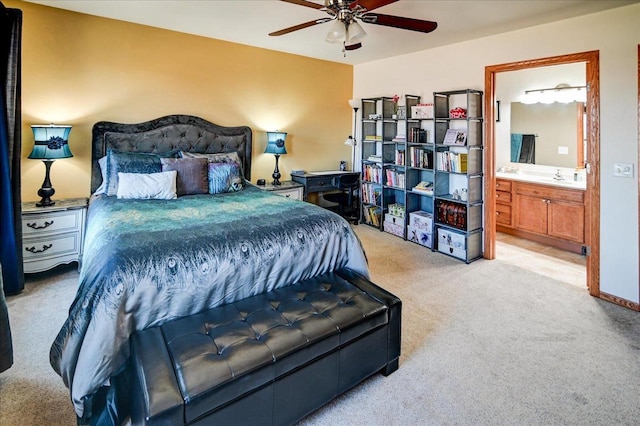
(224,177)
(129,162)
(103,172)
(192,174)
(222,157)
(158,186)
(132,162)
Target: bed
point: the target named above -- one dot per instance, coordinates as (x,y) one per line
(150,261)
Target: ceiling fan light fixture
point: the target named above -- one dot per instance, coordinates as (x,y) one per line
(337,33)
(355,32)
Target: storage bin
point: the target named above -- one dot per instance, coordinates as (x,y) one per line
(421,236)
(392,228)
(421,220)
(396,220)
(452,243)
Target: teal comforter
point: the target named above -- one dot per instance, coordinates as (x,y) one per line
(149,261)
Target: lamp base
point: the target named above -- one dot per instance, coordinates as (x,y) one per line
(47,191)
(276,173)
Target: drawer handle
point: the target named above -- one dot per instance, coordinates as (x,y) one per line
(287,195)
(36,226)
(34,250)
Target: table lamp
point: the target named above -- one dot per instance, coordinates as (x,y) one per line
(275,146)
(51,143)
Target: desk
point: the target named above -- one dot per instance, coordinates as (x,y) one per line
(320,181)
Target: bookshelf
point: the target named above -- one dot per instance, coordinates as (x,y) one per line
(422,172)
(458,173)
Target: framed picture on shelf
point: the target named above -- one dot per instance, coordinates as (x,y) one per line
(402,113)
(455,137)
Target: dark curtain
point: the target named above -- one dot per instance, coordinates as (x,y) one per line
(10,150)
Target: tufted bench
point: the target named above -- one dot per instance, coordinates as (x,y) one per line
(267,359)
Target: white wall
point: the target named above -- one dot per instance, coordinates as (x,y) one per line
(616,35)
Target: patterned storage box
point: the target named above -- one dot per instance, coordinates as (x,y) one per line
(396,220)
(452,243)
(421,220)
(420,236)
(392,228)
(396,209)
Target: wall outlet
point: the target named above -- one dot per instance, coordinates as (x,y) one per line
(623,169)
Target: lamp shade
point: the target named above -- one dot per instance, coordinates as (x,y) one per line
(275,143)
(355,32)
(354,103)
(51,142)
(350,141)
(337,32)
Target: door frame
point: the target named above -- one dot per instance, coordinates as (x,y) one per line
(592,193)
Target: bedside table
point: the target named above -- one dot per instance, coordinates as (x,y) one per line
(286,188)
(52,235)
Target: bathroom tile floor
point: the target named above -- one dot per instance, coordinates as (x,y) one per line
(555,263)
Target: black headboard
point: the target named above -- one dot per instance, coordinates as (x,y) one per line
(181,132)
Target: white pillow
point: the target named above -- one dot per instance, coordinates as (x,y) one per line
(158,186)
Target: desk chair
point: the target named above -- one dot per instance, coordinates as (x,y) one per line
(347,199)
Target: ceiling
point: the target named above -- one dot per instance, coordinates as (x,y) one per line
(250,21)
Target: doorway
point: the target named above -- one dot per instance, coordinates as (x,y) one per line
(592,194)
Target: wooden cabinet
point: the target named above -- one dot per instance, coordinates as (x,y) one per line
(543,213)
(52,235)
(504,210)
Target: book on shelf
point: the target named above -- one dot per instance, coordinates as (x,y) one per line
(455,137)
(420,158)
(373,138)
(424,187)
(395,178)
(372,173)
(375,158)
(371,215)
(455,162)
(400,158)
(417,135)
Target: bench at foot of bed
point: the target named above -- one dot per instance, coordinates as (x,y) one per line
(269,359)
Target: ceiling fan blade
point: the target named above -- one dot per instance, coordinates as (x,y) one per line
(400,22)
(353,46)
(300,27)
(372,4)
(304,3)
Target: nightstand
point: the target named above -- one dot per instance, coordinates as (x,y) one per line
(52,235)
(286,188)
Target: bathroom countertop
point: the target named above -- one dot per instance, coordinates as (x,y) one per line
(543,179)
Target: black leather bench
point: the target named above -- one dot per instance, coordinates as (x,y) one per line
(268,359)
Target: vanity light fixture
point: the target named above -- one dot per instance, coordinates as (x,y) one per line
(562,93)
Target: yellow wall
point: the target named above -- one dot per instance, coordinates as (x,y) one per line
(79,69)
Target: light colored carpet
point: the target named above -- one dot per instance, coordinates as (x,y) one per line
(488,343)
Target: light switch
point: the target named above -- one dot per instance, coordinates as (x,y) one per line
(563,150)
(623,169)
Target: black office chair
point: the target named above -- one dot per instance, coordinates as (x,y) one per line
(347,199)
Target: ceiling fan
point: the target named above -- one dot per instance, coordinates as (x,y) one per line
(345,15)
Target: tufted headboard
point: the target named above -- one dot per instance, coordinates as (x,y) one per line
(173,132)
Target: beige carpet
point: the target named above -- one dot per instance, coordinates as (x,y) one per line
(488,343)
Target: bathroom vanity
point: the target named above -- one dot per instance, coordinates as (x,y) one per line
(542,209)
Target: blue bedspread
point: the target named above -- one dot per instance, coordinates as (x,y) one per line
(149,261)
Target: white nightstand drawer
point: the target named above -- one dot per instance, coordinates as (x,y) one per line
(293,193)
(51,222)
(52,235)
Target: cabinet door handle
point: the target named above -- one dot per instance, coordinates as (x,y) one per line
(34,250)
(34,225)
(287,195)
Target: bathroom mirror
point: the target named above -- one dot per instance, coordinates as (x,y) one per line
(559,126)
(547,134)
